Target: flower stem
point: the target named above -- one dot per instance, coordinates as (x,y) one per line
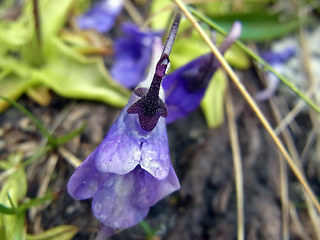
(172,35)
(164,62)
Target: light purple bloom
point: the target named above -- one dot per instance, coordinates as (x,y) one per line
(185,87)
(277,61)
(132,55)
(101,16)
(274,58)
(128,173)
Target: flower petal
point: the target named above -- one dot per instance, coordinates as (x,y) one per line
(120,151)
(124,200)
(86,179)
(127,145)
(155,156)
(131,60)
(132,55)
(185,87)
(101,16)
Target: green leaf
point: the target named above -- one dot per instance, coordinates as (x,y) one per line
(7,210)
(259,26)
(5,165)
(56,66)
(218,8)
(12,86)
(12,226)
(40,152)
(213,100)
(160,18)
(237,58)
(72,75)
(53,18)
(64,232)
(189,45)
(148,230)
(53,15)
(19,228)
(69,136)
(14,34)
(35,202)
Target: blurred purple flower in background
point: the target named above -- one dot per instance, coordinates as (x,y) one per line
(132,55)
(185,87)
(101,16)
(277,61)
(129,171)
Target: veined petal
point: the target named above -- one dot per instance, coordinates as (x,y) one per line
(127,145)
(155,152)
(86,179)
(124,200)
(120,151)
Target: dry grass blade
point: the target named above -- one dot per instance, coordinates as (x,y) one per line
(69,157)
(42,190)
(290,116)
(284,198)
(295,156)
(296,223)
(252,104)
(236,163)
(133,12)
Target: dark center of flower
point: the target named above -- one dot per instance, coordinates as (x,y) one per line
(150,107)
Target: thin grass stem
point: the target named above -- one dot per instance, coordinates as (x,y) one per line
(252,54)
(237,165)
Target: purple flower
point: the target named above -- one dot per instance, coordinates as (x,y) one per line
(128,173)
(132,55)
(185,87)
(277,61)
(274,58)
(101,16)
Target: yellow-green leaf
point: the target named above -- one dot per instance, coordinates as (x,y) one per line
(15,188)
(161,14)
(72,75)
(64,232)
(213,101)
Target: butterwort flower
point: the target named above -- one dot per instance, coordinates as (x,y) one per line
(132,54)
(277,60)
(185,87)
(101,16)
(130,170)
